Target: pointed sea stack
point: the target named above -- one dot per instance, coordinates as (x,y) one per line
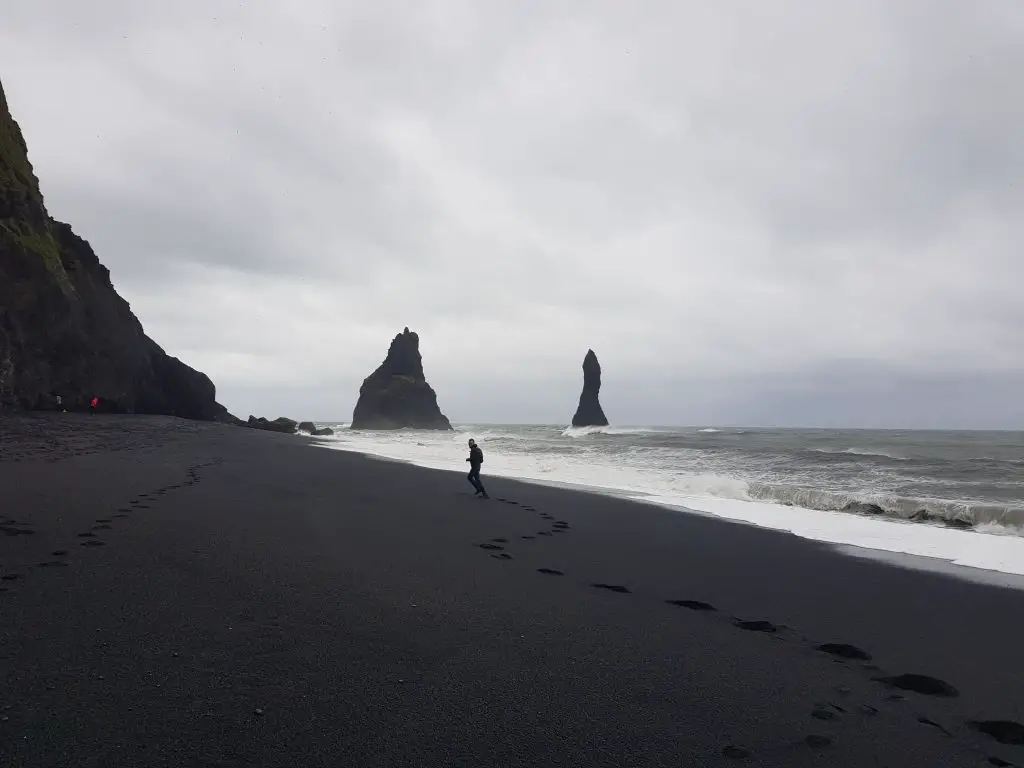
(65,333)
(396,395)
(589,413)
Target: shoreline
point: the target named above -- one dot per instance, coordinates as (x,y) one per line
(263,602)
(919,560)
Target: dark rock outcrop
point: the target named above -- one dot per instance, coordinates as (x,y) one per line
(589,413)
(64,330)
(397,395)
(310,429)
(280,424)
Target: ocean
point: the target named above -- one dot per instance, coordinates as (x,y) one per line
(955,496)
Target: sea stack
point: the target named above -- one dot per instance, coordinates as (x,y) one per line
(396,395)
(589,413)
(66,336)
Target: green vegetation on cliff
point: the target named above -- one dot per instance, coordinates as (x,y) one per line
(16,174)
(22,214)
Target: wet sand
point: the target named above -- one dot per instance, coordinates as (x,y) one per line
(176,593)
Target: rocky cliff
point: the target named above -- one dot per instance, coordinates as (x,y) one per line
(64,330)
(397,395)
(589,412)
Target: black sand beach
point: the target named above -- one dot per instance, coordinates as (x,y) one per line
(177,593)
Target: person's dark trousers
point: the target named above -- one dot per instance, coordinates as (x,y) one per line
(474,478)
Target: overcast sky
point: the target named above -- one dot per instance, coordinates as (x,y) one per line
(791,212)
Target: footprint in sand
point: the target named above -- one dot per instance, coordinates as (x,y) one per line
(93,543)
(490,546)
(823,713)
(527,537)
(550,572)
(500,541)
(923,684)
(926,721)
(693,605)
(845,651)
(756,626)
(619,588)
(1003,731)
(502,556)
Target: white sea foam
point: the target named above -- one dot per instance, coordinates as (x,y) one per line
(862,452)
(963,548)
(638,473)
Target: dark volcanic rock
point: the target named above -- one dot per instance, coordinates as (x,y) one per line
(863,508)
(397,395)
(310,429)
(589,413)
(64,330)
(280,424)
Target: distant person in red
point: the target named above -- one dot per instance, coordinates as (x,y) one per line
(94,403)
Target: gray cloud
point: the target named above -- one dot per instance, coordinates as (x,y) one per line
(802,214)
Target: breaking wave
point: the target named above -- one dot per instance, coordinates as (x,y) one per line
(860,452)
(585,431)
(954,514)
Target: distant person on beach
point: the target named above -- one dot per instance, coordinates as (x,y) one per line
(94,404)
(476,458)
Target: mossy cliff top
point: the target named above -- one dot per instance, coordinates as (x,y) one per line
(24,222)
(19,187)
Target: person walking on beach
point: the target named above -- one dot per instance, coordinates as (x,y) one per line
(94,404)
(476,458)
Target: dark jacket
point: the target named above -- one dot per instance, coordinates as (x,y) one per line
(476,456)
